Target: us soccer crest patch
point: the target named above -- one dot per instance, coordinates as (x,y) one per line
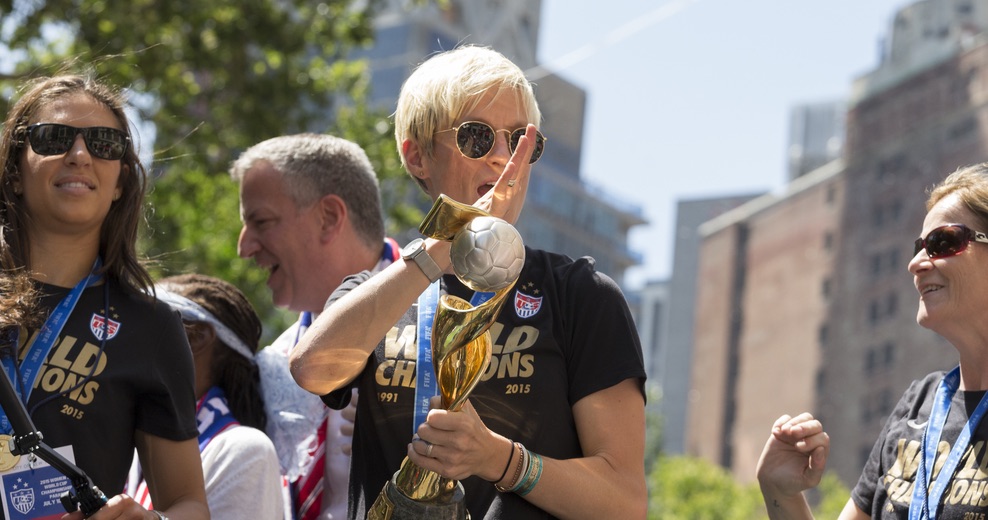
(22,499)
(527,306)
(98,324)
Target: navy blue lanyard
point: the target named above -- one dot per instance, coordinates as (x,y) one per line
(425,373)
(925,502)
(28,371)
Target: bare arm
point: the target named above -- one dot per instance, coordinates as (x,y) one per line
(609,481)
(335,348)
(173,470)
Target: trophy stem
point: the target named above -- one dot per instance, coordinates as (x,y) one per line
(404,497)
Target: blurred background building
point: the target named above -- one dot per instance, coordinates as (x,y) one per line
(804,300)
(666,318)
(816,136)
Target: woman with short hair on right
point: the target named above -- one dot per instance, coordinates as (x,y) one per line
(921,465)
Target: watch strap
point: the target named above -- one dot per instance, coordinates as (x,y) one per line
(416,252)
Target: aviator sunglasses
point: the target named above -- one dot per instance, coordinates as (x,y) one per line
(948,240)
(55,139)
(475,140)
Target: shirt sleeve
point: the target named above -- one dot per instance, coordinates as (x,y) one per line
(166,401)
(605,346)
(242,476)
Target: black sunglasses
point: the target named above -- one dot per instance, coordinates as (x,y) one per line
(948,240)
(55,139)
(475,140)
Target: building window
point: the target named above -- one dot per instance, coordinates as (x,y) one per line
(876,216)
(896,210)
(963,129)
(892,259)
(870,361)
(876,263)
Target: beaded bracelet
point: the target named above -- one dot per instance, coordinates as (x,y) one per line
(523,474)
(518,468)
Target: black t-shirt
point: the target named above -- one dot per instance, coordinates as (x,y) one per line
(885,488)
(564,333)
(142,380)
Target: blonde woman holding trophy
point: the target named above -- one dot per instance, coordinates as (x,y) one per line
(555,426)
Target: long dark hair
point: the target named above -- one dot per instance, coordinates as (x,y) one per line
(118,236)
(235,374)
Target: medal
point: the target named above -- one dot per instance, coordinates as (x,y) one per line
(7,459)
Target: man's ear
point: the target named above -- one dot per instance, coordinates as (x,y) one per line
(412,153)
(332,214)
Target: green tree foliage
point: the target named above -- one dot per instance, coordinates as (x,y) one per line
(210,79)
(832,496)
(653,427)
(688,488)
(691,488)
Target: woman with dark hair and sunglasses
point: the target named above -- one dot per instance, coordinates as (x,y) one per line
(100,366)
(239,462)
(925,464)
(556,427)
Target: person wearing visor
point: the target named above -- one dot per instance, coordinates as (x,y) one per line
(556,427)
(101,367)
(238,459)
(925,464)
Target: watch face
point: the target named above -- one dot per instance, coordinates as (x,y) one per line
(412,247)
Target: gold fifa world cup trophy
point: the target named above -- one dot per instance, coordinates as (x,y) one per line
(487,255)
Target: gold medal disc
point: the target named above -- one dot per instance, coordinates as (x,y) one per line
(7,459)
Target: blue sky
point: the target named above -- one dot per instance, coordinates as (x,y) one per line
(702,90)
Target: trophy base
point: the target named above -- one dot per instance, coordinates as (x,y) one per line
(391,504)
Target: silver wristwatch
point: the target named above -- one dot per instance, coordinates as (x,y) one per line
(415,252)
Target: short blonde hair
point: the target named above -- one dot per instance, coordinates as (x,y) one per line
(451,83)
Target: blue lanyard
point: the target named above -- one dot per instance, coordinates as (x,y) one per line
(925,502)
(425,373)
(31,366)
